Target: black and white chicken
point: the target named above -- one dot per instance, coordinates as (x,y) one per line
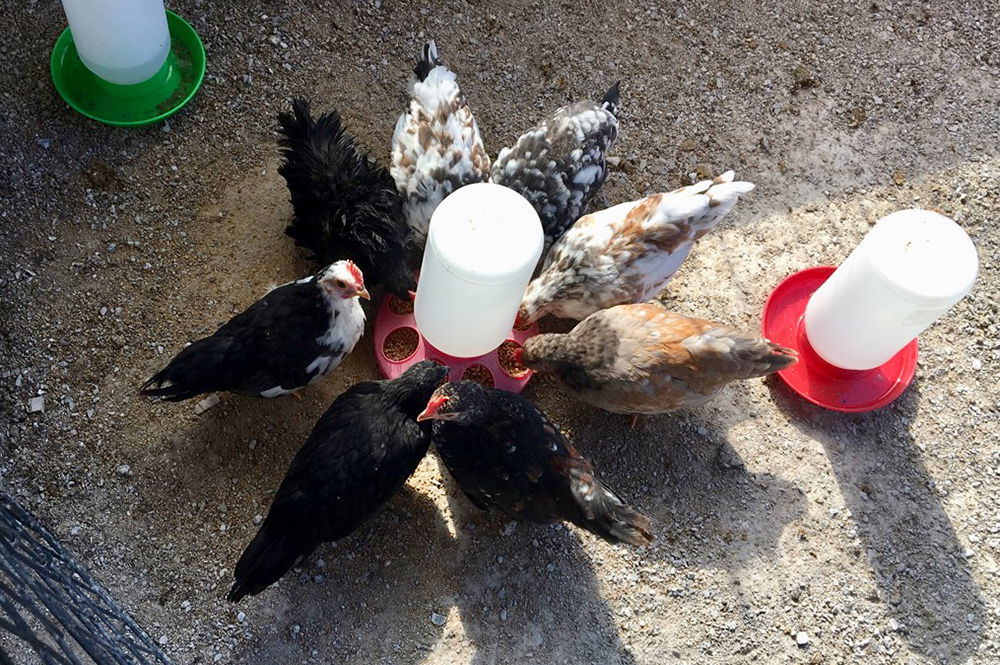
(560,164)
(436,147)
(345,204)
(288,339)
(358,455)
(504,453)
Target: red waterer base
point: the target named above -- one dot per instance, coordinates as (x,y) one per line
(812,377)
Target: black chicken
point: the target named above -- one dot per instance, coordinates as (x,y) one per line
(345,204)
(359,453)
(291,337)
(506,454)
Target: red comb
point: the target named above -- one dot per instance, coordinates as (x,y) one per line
(433,405)
(356,273)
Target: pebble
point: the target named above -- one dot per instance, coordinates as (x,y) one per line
(206,404)
(36,404)
(437,619)
(893,625)
(163,640)
(802,638)
(241,616)
(977,364)
(124,469)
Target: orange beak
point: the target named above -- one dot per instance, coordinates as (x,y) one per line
(433,405)
(521,321)
(363,293)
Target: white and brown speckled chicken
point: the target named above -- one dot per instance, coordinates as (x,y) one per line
(436,147)
(560,164)
(645,359)
(626,253)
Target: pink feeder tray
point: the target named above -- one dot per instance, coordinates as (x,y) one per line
(812,377)
(399,344)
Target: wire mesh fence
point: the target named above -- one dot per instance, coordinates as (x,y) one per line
(51,610)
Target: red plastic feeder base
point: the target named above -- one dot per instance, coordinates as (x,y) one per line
(812,377)
(399,344)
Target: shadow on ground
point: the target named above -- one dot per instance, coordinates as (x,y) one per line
(908,538)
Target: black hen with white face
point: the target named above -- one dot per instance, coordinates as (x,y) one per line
(506,454)
(294,335)
(358,455)
(346,205)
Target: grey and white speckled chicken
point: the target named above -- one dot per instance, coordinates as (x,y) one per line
(436,147)
(645,359)
(559,165)
(626,253)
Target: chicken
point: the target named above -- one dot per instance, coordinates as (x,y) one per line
(645,359)
(436,147)
(288,339)
(626,253)
(346,205)
(358,455)
(505,453)
(559,165)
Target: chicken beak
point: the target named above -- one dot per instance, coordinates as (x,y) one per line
(521,321)
(363,293)
(518,356)
(433,405)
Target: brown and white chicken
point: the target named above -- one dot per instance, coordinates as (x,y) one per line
(645,359)
(627,253)
(436,146)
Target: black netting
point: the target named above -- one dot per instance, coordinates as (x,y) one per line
(51,611)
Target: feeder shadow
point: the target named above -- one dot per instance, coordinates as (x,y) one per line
(908,538)
(524,590)
(681,471)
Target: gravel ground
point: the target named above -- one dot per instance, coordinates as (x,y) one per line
(786,534)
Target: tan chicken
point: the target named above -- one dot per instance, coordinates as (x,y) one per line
(645,359)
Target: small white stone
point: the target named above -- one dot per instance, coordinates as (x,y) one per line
(893,625)
(124,469)
(241,617)
(977,364)
(802,638)
(36,404)
(163,640)
(437,619)
(206,404)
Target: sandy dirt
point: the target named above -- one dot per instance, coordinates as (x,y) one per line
(876,536)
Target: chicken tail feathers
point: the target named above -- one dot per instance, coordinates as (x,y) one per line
(738,355)
(604,514)
(428,60)
(313,151)
(611,99)
(780,357)
(271,554)
(194,371)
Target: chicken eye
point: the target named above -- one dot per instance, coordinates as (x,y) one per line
(340,284)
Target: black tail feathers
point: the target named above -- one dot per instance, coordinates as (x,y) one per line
(196,370)
(428,60)
(611,99)
(603,513)
(269,555)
